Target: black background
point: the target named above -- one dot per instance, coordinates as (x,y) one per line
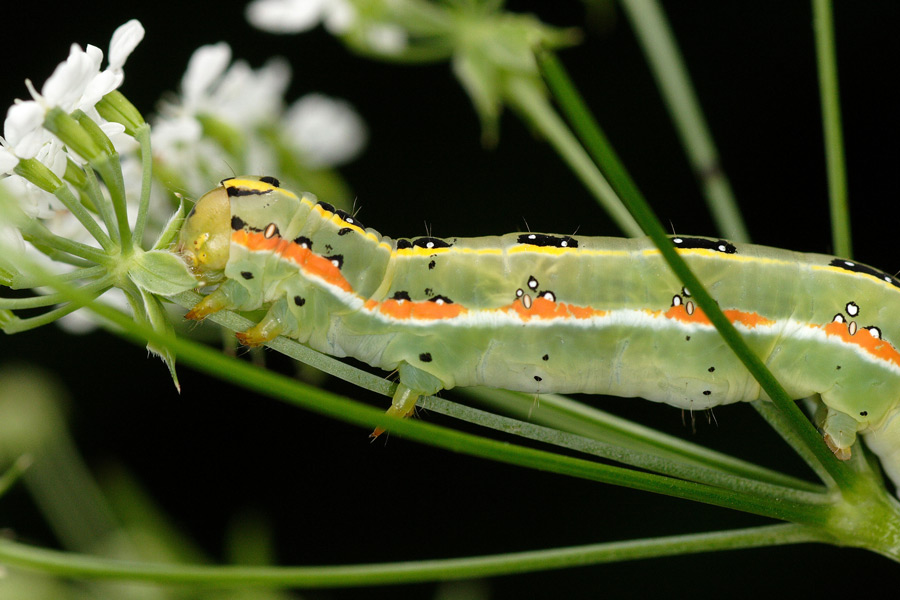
(215,451)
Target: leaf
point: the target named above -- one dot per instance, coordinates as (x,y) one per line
(161,272)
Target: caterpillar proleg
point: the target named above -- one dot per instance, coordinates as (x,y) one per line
(547,313)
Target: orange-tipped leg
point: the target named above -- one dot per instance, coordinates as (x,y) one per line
(402,406)
(209,305)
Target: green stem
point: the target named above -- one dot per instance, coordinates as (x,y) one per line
(778,421)
(657,462)
(101,204)
(672,77)
(14,473)
(68,199)
(35,232)
(143,137)
(111,171)
(603,154)
(15,324)
(531,101)
(66,564)
(93,288)
(562,413)
(823,24)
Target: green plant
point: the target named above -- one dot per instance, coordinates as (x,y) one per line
(817,508)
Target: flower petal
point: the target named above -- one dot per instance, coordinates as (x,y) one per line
(206,65)
(124,40)
(65,87)
(285,16)
(8,160)
(326,130)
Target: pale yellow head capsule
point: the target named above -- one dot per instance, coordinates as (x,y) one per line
(206,235)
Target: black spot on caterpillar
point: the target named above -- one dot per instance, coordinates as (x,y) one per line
(541,239)
(704,244)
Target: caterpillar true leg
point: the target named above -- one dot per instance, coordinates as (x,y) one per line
(228,295)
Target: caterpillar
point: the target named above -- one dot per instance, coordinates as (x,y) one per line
(545,313)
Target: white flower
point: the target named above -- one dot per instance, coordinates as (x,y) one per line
(238,95)
(326,131)
(235,95)
(23,130)
(295,16)
(75,84)
(78,83)
(8,158)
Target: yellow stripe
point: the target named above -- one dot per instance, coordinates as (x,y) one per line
(257,186)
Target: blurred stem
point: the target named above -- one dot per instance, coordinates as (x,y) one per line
(14,473)
(823,24)
(530,100)
(672,77)
(76,565)
(68,497)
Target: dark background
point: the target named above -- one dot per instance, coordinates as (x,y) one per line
(215,451)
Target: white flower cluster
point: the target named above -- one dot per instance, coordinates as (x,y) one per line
(228,116)
(76,84)
(339,17)
(323,132)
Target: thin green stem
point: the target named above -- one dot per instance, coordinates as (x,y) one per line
(531,102)
(665,60)
(101,204)
(823,24)
(14,473)
(603,154)
(111,171)
(68,199)
(778,421)
(92,288)
(562,413)
(35,232)
(15,324)
(143,137)
(672,466)
(67,564)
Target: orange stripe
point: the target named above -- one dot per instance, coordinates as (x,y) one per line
(864,339)
(407,309)
(541,308)
(309,262)
(747,319)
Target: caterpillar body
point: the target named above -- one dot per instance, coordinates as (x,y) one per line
(547,313)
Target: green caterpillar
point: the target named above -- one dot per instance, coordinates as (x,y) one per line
(549,313)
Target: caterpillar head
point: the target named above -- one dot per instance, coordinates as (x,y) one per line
(206,235)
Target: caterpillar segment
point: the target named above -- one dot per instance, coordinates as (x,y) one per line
(545,313)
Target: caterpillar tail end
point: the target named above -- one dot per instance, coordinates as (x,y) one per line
(839,452)
(840,431)
(402,406)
